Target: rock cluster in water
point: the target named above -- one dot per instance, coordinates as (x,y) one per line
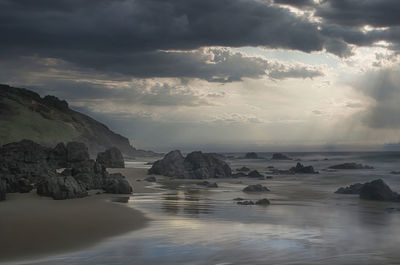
(351,166)
(264,202)
(255,188)
(26,165)
(196,165)
(251,155)
(279,156)
(301,169)
(376,190)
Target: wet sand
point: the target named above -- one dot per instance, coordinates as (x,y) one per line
(33,227)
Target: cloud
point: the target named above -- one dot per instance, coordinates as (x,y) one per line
(284,71)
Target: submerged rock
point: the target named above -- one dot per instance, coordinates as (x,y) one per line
(111,158)
(352,189)
(301,169)
(208,184)
(245,203)
(196,165)
(251,155)
(151,179)
(61,188)
(279,156)
(117,184)
(255,188)
(378,190)
(351,166)
(255,174)
(239,175)
(264,201)
(243,169)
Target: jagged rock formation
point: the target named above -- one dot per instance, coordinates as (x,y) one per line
(111,158)
(255,188)
(301,169)
(243,169)
(25,165)
(196,165)
(49,120)
(3,188)
(61,188)
(279,156)
(255,174)
(376,190)
(251,155)
(352,189)
(351,166)
(117,184)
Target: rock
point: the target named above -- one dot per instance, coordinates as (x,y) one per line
(300,169)
(77,152)
(352,189)
(24,185)
(117,184)
(251,155)
(151,179)
(377,190)
(255,188)
(243,169)
(238,199)
(172,165)
(279,156)
(208,184)
(239,175)
(245,203)
(61,188)
(111,158)
(264,201)
(3,189)
(269,177)
(58,156)
(89,173)
(395,172)
(255,174)
(350,166)
(196,165)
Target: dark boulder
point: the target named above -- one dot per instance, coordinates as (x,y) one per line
(239,175)
(351,166)
(61,188)
(264,201)
(377,190)
(57,157)
(111,158)
(3,189)
(255,174)
(172,165)
(243,169)
(279,156)
(251,155)
(245,203)
(196,165)
(151,179)
(301,169)
(208,184)
(255,188)
(90,173)
(352,189)
(117,184)
(77,152)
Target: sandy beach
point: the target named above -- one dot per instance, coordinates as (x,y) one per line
(32,226)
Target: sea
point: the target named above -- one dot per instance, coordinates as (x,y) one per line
(306,222)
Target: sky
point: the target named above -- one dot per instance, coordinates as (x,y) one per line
(217,75)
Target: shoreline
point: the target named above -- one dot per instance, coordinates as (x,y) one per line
(34,227)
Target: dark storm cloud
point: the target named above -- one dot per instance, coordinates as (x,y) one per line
(383,87)
(378,13)
(131,37)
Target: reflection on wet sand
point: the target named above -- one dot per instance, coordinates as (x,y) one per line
(188,201)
